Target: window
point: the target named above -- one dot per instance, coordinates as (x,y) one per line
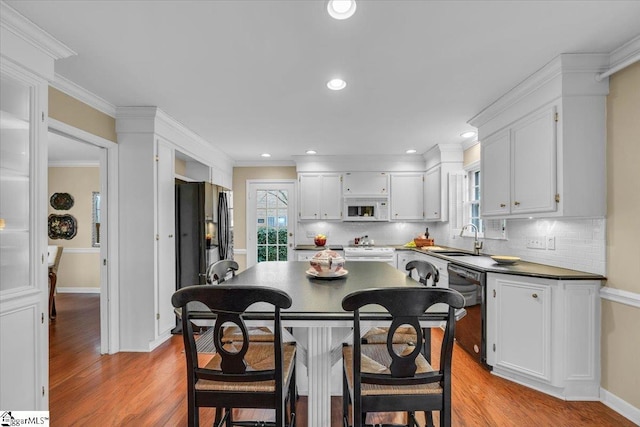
(474,199)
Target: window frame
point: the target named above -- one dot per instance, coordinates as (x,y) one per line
(473,182)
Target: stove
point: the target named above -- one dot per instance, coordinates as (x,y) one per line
(370,253)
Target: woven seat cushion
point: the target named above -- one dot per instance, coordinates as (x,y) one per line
(403,335)
(376,360)
(259,357)
(256,334)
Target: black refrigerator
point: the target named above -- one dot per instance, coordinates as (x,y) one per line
(191,235)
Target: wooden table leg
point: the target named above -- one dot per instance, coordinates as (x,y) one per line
(53,278)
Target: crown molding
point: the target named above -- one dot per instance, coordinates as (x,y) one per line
(81,94)
(625,52)
(14,22)
(469,143)
(562,65)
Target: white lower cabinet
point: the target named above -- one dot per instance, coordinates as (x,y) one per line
(545,334)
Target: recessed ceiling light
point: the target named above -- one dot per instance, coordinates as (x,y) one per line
(468,134)
(311,152)
(265,155)
(411,151)
(336,84)
(341,9)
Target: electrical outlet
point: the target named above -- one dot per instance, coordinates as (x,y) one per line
(551,243)
(536,242)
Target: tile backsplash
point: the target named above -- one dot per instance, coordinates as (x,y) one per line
(580,244)
(342,233)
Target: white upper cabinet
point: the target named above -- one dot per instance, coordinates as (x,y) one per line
(365,184)
(519,167)
(441,160)
(543,143)
(407,196)
(496,174)
(432,191)
(320,196)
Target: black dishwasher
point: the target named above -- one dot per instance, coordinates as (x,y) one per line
(471,329)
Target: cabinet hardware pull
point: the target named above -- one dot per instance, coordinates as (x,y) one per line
(535,295)
(502,205)
(516,203)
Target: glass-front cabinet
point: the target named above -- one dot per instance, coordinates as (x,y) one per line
(15,132)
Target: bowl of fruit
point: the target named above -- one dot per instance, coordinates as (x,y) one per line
(320,240)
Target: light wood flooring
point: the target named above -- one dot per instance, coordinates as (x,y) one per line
(149,389)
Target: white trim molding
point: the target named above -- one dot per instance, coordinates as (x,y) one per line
(620,406)
(81,94)
(239,251)
(621,296)
(13,21)
(72,164)
(81,250)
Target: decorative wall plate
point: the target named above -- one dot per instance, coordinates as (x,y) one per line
(61,201)
(62,226)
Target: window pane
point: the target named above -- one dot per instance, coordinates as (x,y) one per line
(262,253)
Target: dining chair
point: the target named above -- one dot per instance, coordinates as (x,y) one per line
(425,271)
(240,374)
(218,271)
(54,253)
(397,377)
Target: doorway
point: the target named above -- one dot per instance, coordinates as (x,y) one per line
(270,220)
(95,158)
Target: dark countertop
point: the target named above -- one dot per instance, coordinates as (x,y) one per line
(315,298)
(522,268)
(485,264)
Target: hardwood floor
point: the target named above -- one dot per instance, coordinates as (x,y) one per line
(149,389)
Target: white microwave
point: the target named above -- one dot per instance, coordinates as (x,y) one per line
(369,209)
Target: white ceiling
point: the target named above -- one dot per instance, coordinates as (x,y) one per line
(249,76)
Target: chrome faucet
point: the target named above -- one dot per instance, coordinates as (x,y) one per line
(477,245)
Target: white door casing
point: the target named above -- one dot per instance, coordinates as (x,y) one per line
(251,216)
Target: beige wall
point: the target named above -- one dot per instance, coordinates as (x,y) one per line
(620,323)
(471,155)
(240,177)
(69,110)
(81,266)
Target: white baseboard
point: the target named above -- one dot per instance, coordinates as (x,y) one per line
(77,290)
(620,406)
